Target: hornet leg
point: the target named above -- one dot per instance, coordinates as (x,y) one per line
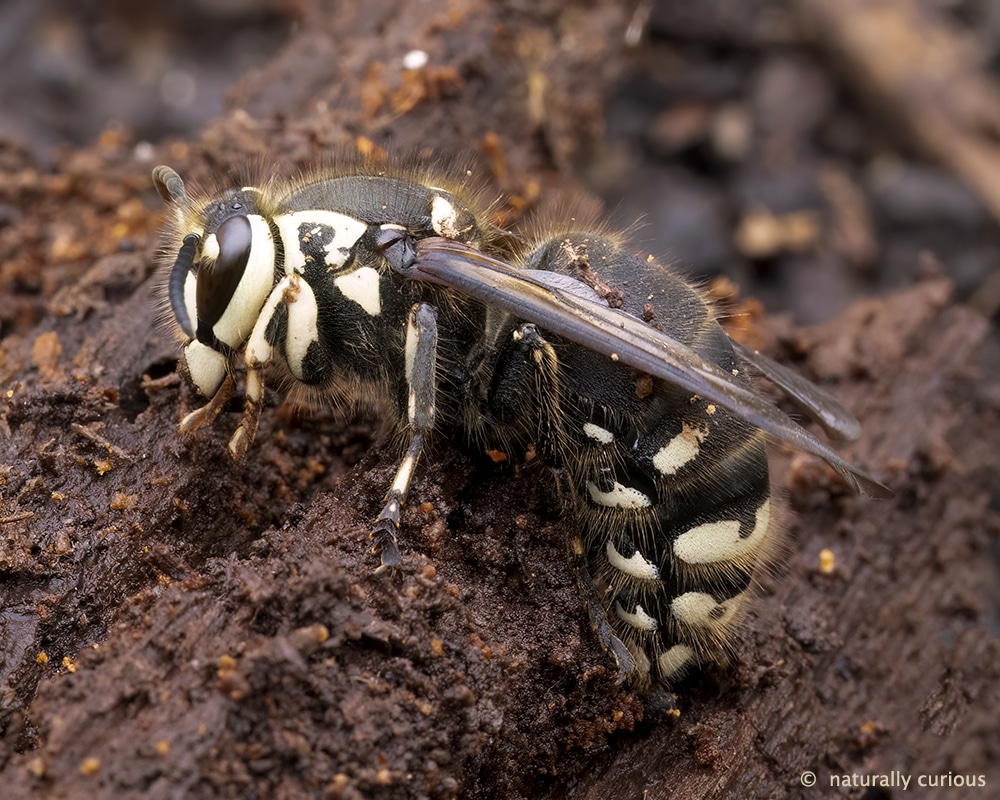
(258,354)
(421,363)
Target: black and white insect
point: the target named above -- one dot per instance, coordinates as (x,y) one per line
(614,368)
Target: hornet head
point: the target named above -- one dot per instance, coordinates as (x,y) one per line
(224,270)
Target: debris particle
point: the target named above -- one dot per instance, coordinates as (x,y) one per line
(90,765)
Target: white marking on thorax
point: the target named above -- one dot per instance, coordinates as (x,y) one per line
(637,619)
(444,218)
(671,662)
(635,565)
(346,232)
(680,450)
(238,319)
(597,433)
(701,610)
(302,327)
(720,541)
(363,287)
(619,497)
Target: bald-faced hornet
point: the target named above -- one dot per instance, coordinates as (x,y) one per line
(613,367)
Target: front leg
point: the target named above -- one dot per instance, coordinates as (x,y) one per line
(421,365)
(260,352)
(207,414)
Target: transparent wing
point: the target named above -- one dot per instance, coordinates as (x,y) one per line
(571,312)
(837,421)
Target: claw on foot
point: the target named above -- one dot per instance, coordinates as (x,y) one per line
(208,413)
(384,535)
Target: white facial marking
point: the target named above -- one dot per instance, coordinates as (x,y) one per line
(362,286)
(207,367)
(680,450)
(671,662)
(241,314)
(444,218)
(597,433)
(190,297)
(720,541)
(619,496)
(637,619)
(634,566)
(346,232)
(701,610)
(210,248)
(302,327)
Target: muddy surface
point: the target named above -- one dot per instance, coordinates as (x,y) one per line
(174,624)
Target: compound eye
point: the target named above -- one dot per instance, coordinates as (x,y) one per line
(397,246)
(217,281)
